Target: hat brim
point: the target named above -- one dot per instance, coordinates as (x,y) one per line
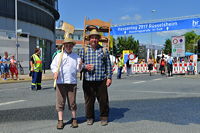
(94,35)
(68,42)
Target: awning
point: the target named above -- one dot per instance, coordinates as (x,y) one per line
(188,53)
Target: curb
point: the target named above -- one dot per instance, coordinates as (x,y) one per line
(24,79)
(197,76)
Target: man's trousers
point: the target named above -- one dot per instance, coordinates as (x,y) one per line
(36,80)
(93,90)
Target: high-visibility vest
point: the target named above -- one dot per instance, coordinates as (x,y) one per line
(37,63)
(121,62)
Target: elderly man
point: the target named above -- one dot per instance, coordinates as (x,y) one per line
(96,78)
(66,76)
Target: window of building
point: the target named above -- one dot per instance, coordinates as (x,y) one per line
(79,37)
(27,13)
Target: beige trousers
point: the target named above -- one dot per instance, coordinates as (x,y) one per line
(63,92)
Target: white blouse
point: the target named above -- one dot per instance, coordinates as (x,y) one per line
(69,67)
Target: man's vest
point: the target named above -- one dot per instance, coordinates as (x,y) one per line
(37,63)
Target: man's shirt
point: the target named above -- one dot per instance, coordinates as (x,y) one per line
(170,60)
(5,60)
(69,67)
(101,61)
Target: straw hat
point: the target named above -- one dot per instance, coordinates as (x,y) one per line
(69,40)
(94,32)
(91,27)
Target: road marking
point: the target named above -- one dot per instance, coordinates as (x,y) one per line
(164,92)
(138,82)
(158,79)
(11,102)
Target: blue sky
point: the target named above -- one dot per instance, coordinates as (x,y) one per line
(125,11)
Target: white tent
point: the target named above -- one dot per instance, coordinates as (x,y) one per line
(165,56)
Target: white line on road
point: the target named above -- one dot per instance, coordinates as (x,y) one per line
(158,79)
(11,102)
(163,92)
(138,82)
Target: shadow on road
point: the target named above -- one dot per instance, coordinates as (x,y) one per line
(181,111)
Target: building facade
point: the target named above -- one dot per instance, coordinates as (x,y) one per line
(36,23)
(77,37)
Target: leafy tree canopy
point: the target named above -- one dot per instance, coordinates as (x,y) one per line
(125,43)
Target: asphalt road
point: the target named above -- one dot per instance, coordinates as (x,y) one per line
(138,104)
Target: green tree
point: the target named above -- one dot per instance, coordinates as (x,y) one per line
(125,43)
(190,41)
(113,49)
(168,46)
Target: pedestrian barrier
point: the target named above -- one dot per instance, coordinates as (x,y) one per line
(114,68)
(135,68)
(142,68)
(178,68)
(184,68)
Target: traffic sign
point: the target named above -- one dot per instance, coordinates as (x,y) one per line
(131,56)
(178,46)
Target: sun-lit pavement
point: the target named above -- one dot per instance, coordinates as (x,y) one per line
(25,78)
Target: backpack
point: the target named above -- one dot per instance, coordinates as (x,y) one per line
(162,62)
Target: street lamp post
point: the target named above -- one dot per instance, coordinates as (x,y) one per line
(152,33)
(16,35)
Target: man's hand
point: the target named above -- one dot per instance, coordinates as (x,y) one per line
(108,82)
(55,75)
(89,67)
(30,73)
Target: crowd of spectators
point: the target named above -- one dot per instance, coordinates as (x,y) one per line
(8,67)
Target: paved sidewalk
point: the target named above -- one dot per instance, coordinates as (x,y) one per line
(25,78)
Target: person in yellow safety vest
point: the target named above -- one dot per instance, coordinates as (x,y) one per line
(36,70)
(120,65)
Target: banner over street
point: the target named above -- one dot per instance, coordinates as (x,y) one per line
(156,27)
